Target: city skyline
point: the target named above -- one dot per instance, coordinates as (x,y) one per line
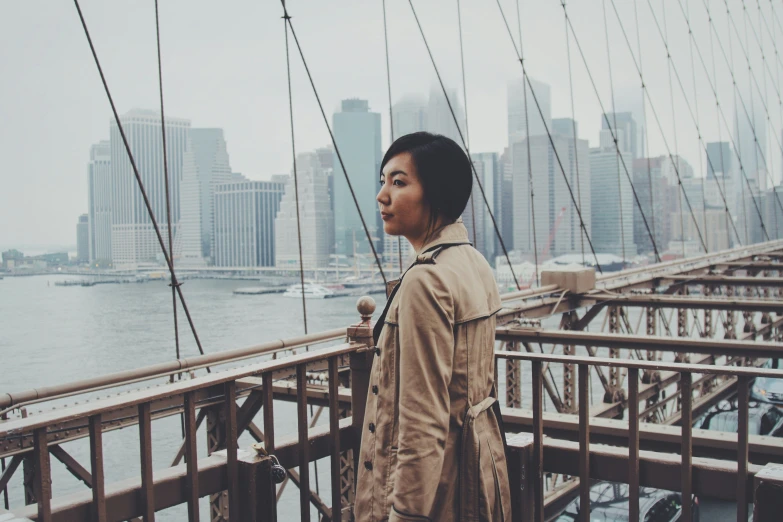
(207,78)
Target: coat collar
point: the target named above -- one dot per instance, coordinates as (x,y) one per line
(453,234)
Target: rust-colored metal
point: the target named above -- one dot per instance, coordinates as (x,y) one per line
(96,465)
(513,379)
(686,451)
(232,470)
(743,398)
(304,446)
(633,444)
(584,444)
(145,450)
(191,458)
(538,441)
(334,432)
(42,481)
(269,414)
(569,399)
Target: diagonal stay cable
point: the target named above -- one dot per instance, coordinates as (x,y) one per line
(391,110)
(174,282)
(334,142)
(614,136)
(464,144)
(147,204)
(717,101)
(465,103)
(551,141)
(663,136)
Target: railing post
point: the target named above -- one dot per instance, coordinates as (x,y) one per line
(513,378)
(256,489)
(768,494)
(521,475)
(216,441)
(361,364)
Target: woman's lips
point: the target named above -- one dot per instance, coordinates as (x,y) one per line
(386,216)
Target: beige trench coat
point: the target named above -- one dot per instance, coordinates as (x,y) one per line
(432,376)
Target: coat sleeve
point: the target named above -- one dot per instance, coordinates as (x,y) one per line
(426,333)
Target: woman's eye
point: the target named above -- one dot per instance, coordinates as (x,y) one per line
(381,182)
(398,183)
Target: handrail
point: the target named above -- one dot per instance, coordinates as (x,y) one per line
(35,395)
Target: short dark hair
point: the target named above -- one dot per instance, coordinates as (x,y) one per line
(444,169)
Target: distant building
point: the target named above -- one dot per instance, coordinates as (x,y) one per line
(557,227)
(505,213)
(99,202)
(488,171)
(773,215)
(750,138)
(133,236)
(315,218)
(521,122)
(658,201)
(720,160)
(440,119)
(357,132)
(392,247)
(409,114)
(625,122)
(245,222)
(83,239)
(612,198)
(564,127)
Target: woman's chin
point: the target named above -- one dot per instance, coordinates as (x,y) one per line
(390,230)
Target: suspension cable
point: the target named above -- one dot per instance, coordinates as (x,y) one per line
(531,190)
(334,142)
(465,103)
(617,147)
(464,144)
(644,117)
(135,169)
(573,123)
(391,111)
(609,125)
(174,282)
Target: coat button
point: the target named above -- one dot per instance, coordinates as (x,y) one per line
(372,427)
(368,465)
(377,351)
(375,389)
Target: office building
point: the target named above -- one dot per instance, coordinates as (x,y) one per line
(612,198)
(658,200)
(623,121)
(245,222)
(133,237)
(315,217)
(557,227)
(82,239)
(750,139)
(481,231)
(521,122)
(99,201)
(440,119)
(357,132)
(409,115)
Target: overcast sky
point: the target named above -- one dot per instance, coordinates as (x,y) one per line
(224,66)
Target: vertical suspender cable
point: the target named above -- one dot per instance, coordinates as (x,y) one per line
(531,190)
(391,111)
(135,169)
(644,118)
(616,142)
(573,122)
(467,128)
(286,18)
(334,143)
(166,176)
(464,143)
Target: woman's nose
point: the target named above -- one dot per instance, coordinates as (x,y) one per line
(383,196)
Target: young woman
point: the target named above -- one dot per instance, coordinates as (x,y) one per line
(432,448)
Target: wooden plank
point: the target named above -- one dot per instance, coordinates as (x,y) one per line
(96,465)
(304,445)
(191,458)
(42,481)
(232,471)
(334,435)
(147,491)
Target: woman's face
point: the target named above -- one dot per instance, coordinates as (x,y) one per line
(401,200)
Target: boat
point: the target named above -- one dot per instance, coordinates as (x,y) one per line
(311,291)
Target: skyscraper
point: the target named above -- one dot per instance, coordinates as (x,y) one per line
(99,197)
(750,128)
(315,217)
(517,127)
(612,199)
(488,171)
(627,139)
(357,132)
(82,239)
(440,119)
(245,222)
(133,236)
(409,115)
(557,227)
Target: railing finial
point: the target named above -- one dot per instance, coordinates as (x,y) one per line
(366,307)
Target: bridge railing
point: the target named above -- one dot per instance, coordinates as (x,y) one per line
(531,456)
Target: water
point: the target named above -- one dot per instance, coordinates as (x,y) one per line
(51,335)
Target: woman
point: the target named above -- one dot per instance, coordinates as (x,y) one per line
(432,448)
